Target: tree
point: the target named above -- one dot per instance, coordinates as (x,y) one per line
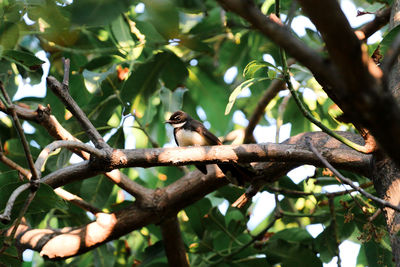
(113,60)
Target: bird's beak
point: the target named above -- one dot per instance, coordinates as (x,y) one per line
(168,121)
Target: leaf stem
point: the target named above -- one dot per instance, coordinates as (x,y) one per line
(307,114)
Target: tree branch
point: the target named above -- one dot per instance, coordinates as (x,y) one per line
(21,133)
(375,108)
(74,199)
(43,117)
(173,242)
(62,92)
(275,87)
(5,216)
(59,191)
(382,18)
(44,154)
(357,74)
(160,203)
(324,71)
(345,180)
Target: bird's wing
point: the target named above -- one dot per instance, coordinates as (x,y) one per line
(211,139)
(176,141)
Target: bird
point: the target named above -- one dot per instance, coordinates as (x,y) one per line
(191,132)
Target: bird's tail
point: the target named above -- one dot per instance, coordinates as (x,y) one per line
(235,173)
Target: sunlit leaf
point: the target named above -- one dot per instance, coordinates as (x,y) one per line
(255,66)
(122,34)
(238,90)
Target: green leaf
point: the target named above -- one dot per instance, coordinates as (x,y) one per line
(9,35)
(293,235)
(326,244)
(45,199)
(164,15)
(10,257)
(172,101)
(233,215)
(96,12)
(209,92)
(388,40)
(104,256)
(254,66)
(122,34)
(196,213)
(28,60)
(93,80)
(289,254)
(142,83)
(175,74)
(373,254)
(96,190)
(238,90)
(154,254)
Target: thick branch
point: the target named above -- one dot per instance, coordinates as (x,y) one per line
(43,116)
(281,35)
(375,108)
(159,204)
(173,242)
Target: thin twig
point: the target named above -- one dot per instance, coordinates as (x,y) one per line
(345,180)
(28,201)
(259,236)
(279,119)
(5,216)
(21,134)
(334,226)
(15,166)
(62,92)
(59,191)
(276,86)
(74,199)
(303,194)
(66,72)
(307,114)
(44,154)
(382,17)
(375,215)
(8,241)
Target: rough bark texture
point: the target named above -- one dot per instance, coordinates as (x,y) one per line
(386,173)
(386,178)
(163,203)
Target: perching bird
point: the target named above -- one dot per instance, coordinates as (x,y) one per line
(190,132)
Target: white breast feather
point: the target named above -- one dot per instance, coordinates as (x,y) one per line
(190,138)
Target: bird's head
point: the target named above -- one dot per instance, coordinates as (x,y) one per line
(178,119)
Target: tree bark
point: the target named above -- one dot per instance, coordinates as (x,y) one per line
(163,203)
(386,173)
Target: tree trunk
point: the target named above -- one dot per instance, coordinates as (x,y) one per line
(386,174)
